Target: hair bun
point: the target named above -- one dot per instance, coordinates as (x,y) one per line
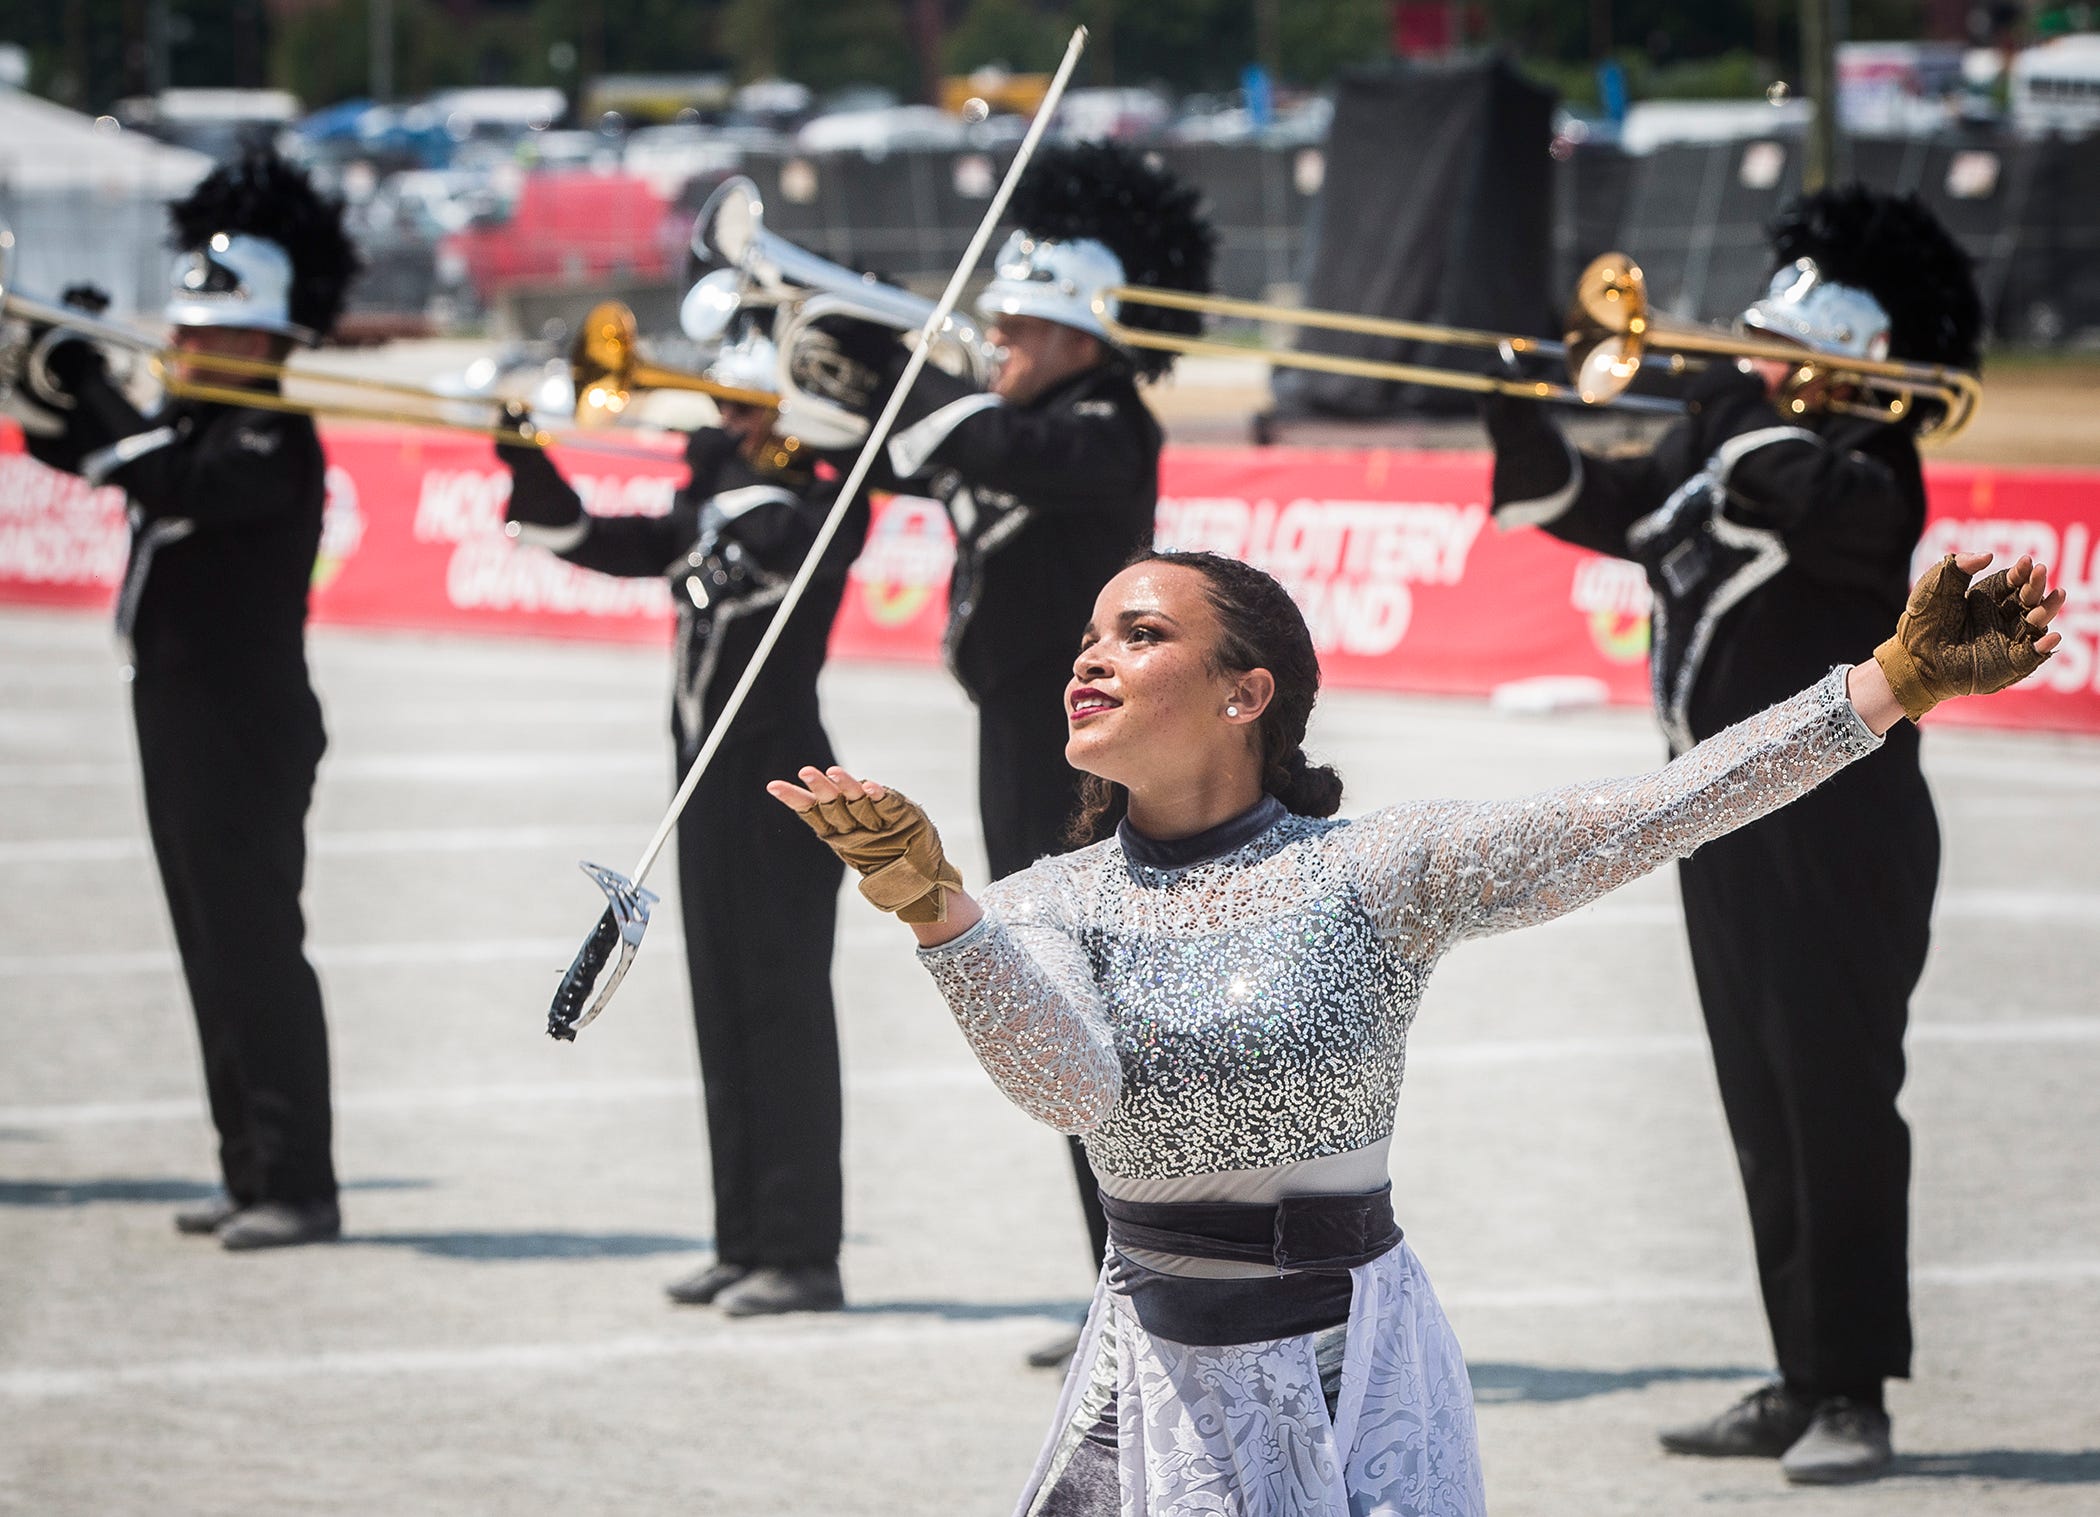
(1310,789)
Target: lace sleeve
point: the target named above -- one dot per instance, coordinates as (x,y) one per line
(1437,873)
(1024,995)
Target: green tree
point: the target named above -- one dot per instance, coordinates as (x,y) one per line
(826,44)
(1318,37)
(1011,32)
(1184,44)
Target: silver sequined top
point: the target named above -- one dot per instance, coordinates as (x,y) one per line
(1252,1009)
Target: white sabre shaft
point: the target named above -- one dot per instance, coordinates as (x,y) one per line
(877,435)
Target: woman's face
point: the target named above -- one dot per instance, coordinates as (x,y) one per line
(1145,701)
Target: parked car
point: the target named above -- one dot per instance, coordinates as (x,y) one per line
(561,228)
(884,129)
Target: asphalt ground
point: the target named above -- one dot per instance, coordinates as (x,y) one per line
(490,1339)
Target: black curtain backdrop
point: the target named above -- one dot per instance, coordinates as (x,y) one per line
(1437,206)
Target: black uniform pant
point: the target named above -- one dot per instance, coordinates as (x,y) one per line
(228,766)
(1026,794)
(760,895)
(1808,933)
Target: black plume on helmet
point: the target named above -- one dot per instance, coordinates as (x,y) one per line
(1146,215)
(264,195)
(1896,250)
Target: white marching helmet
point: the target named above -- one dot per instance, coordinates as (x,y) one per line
(1803,306)
(235,279)
(711,306)
(1054,280)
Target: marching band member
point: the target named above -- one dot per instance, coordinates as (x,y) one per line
(1219,999)
(759,895)
(1774,542)
(1049,479)
(225,504)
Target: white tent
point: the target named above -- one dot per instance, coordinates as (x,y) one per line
(88,202)
(45,146)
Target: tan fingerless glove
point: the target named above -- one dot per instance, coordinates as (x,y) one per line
(1955,638)
(893,845)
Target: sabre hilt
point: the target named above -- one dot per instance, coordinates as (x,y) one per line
(625,919)
(583,974)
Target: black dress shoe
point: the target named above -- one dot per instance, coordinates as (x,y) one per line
(1763,1425)
(1847,1440)
(281,1224)
(203,1218)
(702,1286)
(770,1289)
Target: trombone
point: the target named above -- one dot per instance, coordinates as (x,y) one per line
(761,267)
(1612,335)
(604,364)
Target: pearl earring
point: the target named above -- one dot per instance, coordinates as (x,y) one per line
(1232,711)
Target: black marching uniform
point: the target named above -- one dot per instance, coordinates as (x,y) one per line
(759,891)
(225,507)
(1049,498)
(1777,548)
(1048,501)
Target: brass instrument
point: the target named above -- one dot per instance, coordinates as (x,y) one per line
(604,361)
(1612,327)
(762,268)
(1612,334)
(604,367)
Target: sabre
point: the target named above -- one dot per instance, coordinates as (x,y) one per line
(626,915)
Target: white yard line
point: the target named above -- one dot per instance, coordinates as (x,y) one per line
(848,1332)
(422,766)
(363,843)
(2048,1032)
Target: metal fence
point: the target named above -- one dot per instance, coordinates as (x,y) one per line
(2028,210)
(909,215)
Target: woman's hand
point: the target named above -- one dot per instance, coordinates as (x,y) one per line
(891,842)
(1958,638)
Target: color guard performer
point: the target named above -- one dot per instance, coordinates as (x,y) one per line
(1776,545)
(226,504)
(1050,478)
(1219,998)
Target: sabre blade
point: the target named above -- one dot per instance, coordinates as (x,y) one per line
(878,433)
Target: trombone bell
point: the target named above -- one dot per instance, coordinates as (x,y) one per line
(605,363)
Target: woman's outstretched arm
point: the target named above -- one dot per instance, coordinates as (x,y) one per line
(1437,873)
(1015,977)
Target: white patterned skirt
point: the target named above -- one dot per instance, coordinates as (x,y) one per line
(1370,1419)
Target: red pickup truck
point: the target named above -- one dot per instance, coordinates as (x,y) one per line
(563,228)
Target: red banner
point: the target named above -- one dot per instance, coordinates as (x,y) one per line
(1406,583)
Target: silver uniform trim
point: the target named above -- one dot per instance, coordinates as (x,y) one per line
(1731,452)
(553,539)
(728,505)
(97,467)
(690,691)
(152,537)
(911,448)
(696,671)
(1769,556)
(1545,508)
